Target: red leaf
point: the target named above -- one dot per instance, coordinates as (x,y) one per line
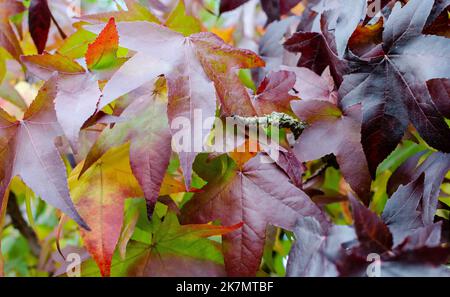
(256,194)
(273,93)
(401,212)
(372,232)
(144,124)
(29,151)
(99,196)
(39,20)
(337,134)
(196,67)
(440,94)
(392,87)
(101,54)
(77,95)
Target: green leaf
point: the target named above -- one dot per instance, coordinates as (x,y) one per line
(76,45)
(399,155)
(175,250)
(179,21)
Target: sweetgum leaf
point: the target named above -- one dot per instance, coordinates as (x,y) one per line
(401,266)
(338,134)
(75,46)
(318,50)
(401,211)
(175,250)
(372,5)
(315,244)
(45,64)
(435,167)
(273,8)
(29,151)
(273,93)
(440,94)
(334,250)
(404,173)
(343,20)
(324,43)
(366,40)
(270,46)
(420,254)
(8,38)
(373,234)
(311,86)
(77,90)
(135,12)
(181,250)
(99,197)
(424,236)
(417,252)
(392,87)
(102,53)
(438,7)
(171,53)
(179,21)
(196,68)
(291,165)
(144,124)
(227,5)
(39,20)
(257,194)
(438,24)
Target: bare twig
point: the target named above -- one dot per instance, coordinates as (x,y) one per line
(60,30)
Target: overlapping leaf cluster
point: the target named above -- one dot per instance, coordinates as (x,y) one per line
(368,176)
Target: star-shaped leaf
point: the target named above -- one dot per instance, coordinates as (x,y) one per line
(102,53)
(256,193)
(144,124)
(175,250)
(338,134)
(196,67)
(29,151)
(392,87)
(77,93)
(99,196)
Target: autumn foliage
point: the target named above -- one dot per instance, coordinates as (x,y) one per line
(91,102)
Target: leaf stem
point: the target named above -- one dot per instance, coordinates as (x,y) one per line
(60,30)
(21,225)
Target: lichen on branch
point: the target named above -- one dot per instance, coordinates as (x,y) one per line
(279,119)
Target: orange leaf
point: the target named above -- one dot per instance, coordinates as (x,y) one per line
(102,53)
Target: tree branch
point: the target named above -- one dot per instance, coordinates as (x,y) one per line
(22,226)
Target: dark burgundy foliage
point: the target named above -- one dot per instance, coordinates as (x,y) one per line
(39,20)
(390,82)
(396,66)
(392,85)
(405,244)
(273,8)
